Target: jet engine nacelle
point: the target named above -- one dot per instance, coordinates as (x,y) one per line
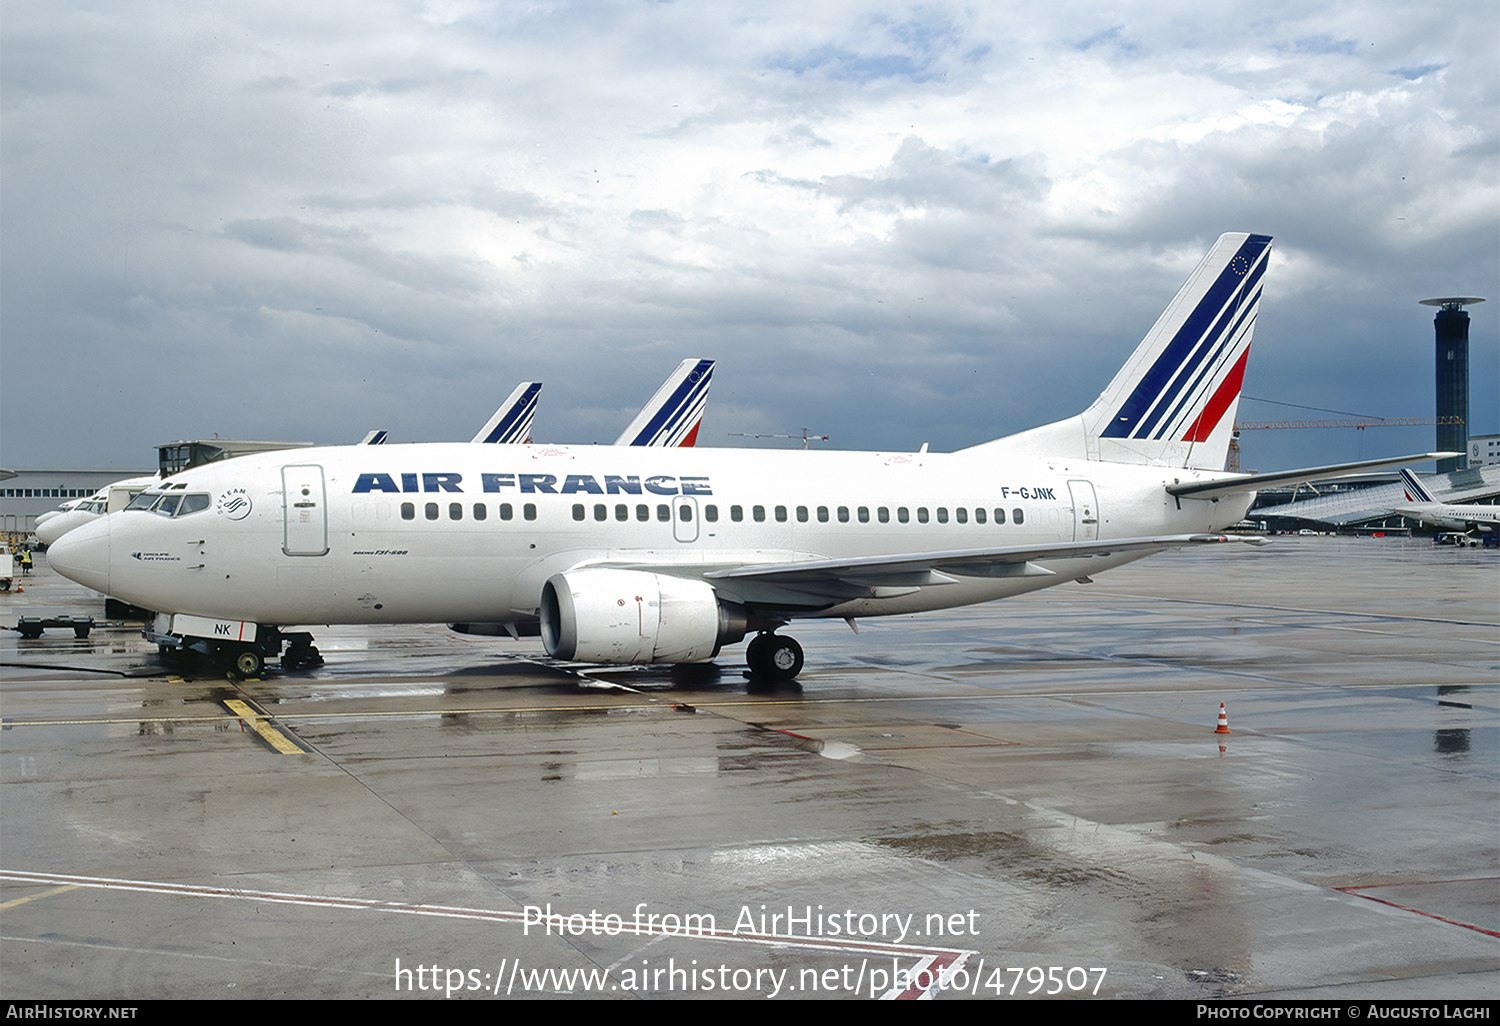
(600,615)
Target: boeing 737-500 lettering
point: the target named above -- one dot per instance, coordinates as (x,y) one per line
(633,554)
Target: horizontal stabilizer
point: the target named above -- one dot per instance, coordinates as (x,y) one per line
(1256,482)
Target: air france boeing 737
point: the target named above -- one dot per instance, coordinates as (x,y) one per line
(630,555)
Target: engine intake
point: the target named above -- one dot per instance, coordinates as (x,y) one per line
(601,615)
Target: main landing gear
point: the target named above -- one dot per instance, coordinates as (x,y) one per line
(774,656)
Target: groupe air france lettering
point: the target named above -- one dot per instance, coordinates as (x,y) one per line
(537,484)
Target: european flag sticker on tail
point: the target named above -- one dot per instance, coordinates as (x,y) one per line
(672,417)
(1174,401)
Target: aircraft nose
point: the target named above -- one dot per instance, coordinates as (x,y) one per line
(82,555)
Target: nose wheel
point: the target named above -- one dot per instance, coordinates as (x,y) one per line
(775,656)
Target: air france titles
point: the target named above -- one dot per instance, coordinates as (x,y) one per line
(536,484)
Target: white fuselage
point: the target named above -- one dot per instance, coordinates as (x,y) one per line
(1452,517)
(456,532)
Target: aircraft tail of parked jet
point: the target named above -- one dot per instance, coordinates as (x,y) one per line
(672,417)
(1173,402)
(511,423)
(1416,491)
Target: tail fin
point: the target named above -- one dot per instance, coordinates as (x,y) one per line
(672,417)
(1416,491)
(1173,403)
(511,423)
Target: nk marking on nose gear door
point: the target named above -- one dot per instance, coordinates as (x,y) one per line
(306,511)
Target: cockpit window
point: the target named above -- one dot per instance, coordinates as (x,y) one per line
(171,504)
(143,500)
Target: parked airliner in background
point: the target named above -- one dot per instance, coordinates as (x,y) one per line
(1421,505)
(672,418)
(629,555)
(511,423)
(52,526)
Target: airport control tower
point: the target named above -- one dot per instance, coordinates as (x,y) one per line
(1452,327)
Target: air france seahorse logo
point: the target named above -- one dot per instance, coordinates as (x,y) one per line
(234,504)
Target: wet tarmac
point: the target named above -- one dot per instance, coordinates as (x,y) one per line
(1021,798)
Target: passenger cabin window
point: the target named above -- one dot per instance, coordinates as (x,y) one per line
(455,511)
(979,515)
(942,512)
(711,514)
(781,514)
(921,514)
(801,514)
(643,512)
(663,512)
(822,514)
(431,511)
(758,513)
(883,514)
(903,514)
(528,511)
(864,514)
(843,514)
(601,511)
(1019,515)
(507,512)
(999,515)
(408,511)
(736,513)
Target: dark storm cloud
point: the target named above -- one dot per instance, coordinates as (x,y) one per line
(890,223)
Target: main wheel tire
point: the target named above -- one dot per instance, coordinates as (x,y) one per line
(783,657)
(755,654)
(248,663)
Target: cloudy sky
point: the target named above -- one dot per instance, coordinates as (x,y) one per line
(889,223)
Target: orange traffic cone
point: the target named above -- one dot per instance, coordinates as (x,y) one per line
(1223,727)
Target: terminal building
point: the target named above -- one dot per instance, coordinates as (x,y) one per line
(1362,505)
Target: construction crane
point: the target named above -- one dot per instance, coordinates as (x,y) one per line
(804,436)
(1358,423)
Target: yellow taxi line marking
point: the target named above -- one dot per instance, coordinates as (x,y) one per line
(262,726)
(45,894)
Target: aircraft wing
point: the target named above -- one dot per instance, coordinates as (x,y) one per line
(1255,482)
(813,582)
(1005,561)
